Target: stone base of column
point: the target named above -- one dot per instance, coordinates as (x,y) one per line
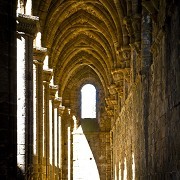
(44,168)
(35,173)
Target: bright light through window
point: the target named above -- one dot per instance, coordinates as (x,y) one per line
(88,101)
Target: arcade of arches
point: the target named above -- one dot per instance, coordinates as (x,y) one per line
(129,50)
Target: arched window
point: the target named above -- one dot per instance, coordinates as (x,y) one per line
(88,101)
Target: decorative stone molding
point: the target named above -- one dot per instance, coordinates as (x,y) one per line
(111,100)
(61,110)
(112,89)
(126,52)
(119,89)
(117,75)
(47,75)
(53,89)
(57,102)
(39,54)
(27,24)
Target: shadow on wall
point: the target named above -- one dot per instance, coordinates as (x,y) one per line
(20,175)
(89,125)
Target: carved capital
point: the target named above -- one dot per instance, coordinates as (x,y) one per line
(61,110)
(39,54)
(57,101)
(53,89)
(112,89)
(47,75)
(27,24)
(126,54)
(119,90)
(117,75)
(111,100)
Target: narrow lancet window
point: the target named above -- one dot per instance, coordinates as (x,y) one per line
(88,101)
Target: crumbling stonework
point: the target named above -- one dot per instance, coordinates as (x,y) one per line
(129,51)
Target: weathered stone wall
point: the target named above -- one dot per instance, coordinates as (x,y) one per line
(148,124)
(8,88)
(128,137)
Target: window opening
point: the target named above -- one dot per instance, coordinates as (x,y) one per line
(88,101)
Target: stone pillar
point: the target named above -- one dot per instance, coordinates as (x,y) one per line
(67,144)
(47,75)
(8,90)
(57,135)
(60,146)
(39,55)
(112,151)
(146,41)
(27,27)
(53,90)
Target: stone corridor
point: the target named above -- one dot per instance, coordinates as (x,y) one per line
(128,51)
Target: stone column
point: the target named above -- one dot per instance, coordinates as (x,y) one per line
(27,27)
(60,146)
(47,75)
(57,102)
(53,90)
(146,41)
(67,145)
(38,56)
(112,151)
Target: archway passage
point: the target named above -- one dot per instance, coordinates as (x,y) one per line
(128,50)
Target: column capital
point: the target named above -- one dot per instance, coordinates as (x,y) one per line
(53,89)
(39,54)
(111,100)
(61,110)
(120,91)
(47,75)
(27,24)
(117,74)
(112,89)
(126,52)
(57,101)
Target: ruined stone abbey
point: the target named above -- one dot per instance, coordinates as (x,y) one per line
(124,55)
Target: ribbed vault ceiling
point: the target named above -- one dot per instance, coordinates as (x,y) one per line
(81,34)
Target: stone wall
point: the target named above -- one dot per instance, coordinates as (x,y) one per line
(8,142)
(146,132)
